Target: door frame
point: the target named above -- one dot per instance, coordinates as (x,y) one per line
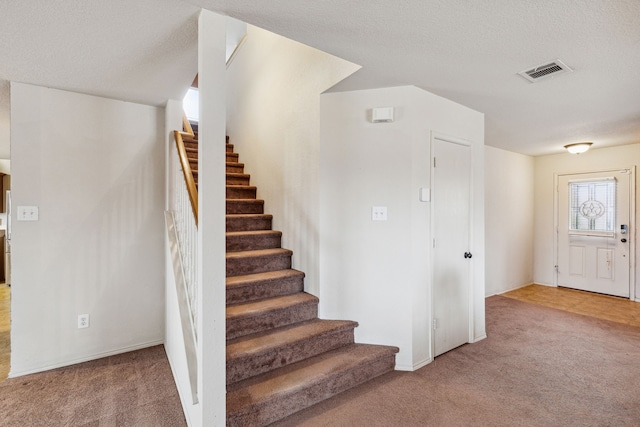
(632,222)
(471,327)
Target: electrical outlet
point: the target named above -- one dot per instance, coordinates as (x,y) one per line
(83,321)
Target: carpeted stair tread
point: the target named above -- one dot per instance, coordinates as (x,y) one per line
(245,206)
(241,192)
(259,253)
(256,261)
(238,179)
(232,157)
(263,306)
(253,240)
(266,398)
(229,148)
(253,317)
(232,167)
(262,352)
(246,222)
(263,285)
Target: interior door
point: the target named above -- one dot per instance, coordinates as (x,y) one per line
(451,254)
(593,239)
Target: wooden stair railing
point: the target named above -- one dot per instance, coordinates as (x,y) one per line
(186,167)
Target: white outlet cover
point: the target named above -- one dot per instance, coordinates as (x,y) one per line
(83,321)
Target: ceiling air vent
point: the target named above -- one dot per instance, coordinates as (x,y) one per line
(543,71)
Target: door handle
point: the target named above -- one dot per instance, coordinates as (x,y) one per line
(623,240)
(467,255)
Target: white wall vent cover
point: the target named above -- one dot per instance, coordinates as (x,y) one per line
(543,71)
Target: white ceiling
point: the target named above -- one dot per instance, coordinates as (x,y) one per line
(467,51)
(471,51)
(140,51)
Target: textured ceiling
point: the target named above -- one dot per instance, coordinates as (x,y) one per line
(467,51)
(141,51)
(471,52)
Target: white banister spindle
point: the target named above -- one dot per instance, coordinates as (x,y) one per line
(187,232)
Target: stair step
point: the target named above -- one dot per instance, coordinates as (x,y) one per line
(190,143)
(250,262)
(232,157)
(238,179)
(248,222)
(229,148)
(253,240)
(263,352)
(241,192)
(268,284)
(192,153)
(272,396)
(235,167)
(245,206)
(258,316)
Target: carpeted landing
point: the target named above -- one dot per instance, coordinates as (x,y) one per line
(131,389)
(538,367)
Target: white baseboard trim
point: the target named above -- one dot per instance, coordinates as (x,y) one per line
(87,358)
(519,287)
(480,338)
(415,366)
(419,365)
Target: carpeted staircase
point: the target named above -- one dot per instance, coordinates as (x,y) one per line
(280,357)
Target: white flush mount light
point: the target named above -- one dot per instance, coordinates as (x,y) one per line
(578,147)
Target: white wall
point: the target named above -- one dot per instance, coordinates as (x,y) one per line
(211,344)
(211,218)
(94,167)
(377,273)
(509,209)
(545,167)
(274,85)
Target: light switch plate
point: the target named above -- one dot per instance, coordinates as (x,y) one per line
(379,213)
(27,213)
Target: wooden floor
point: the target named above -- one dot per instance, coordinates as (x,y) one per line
(604,307)
(5,321)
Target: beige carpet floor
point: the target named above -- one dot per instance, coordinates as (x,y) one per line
(539,367)
(131,389)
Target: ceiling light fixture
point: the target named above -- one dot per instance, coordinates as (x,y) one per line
(578,147)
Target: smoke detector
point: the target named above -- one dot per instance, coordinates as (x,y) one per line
(542,72)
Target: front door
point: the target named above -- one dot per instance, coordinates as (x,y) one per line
(451,254)
(593,212)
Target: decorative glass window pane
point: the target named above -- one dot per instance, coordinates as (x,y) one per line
(593,205)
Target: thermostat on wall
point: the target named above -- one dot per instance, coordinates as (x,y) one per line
(382,115)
